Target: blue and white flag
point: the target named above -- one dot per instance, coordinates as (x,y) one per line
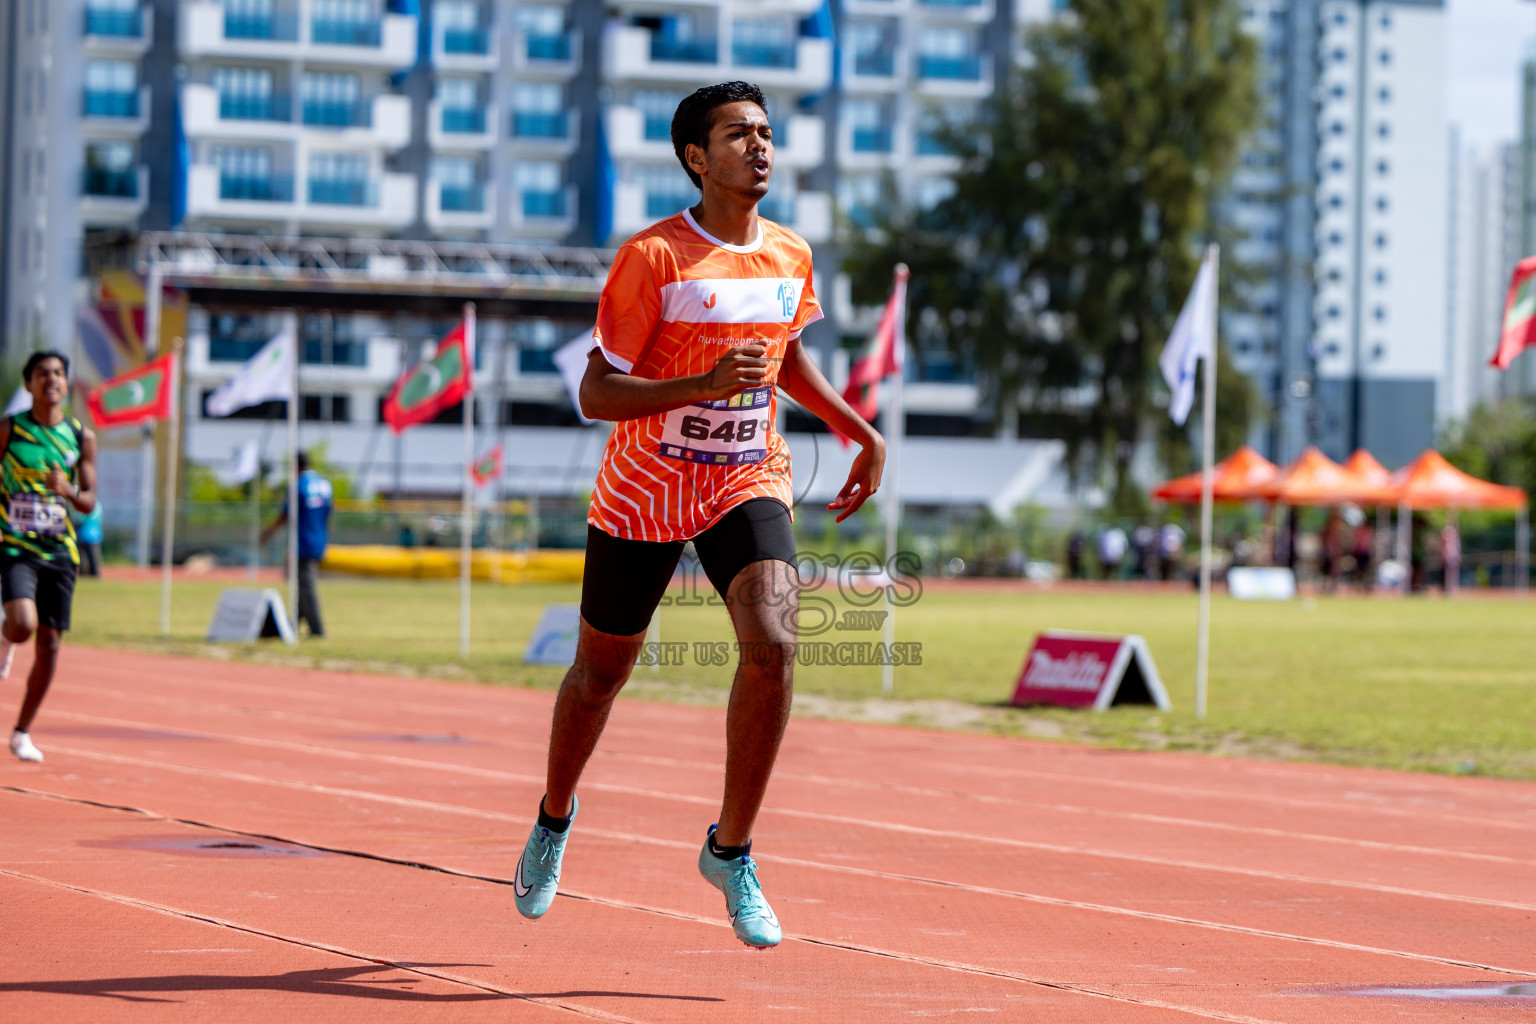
(1193,339)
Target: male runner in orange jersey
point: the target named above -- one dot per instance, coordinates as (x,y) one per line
(699,321)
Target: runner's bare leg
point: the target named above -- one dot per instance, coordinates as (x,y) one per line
(763,600)
(45,657)
(602,667)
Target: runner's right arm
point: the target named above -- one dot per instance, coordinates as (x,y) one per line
(608,393)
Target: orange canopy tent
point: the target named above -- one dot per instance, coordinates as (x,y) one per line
(1236,476)
(1314,479)
(1365,467)
(1431,482)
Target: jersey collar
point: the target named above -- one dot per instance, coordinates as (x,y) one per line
(741,250)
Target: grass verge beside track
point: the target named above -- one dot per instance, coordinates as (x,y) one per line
(1423,683)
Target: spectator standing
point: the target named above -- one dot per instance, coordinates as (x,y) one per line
(1077,546)
(89,536)
(1112,545)
(1143,541)
(314,520)
(1450,554)
(1170,549)
(1365,550)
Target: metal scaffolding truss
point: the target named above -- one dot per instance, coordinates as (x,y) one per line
(363,273)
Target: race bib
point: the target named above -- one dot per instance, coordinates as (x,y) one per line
(42,514)
(728,432)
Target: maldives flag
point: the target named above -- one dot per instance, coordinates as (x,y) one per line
(881,355)
(432,385)
(1519,315)
(143,394)
(487,467)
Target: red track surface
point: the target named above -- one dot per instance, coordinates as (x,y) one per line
(232,842)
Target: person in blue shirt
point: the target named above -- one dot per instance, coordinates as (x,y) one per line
(314,533)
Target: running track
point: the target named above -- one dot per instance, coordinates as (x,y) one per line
(232,842)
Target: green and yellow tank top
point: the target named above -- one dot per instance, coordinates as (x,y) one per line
(34,522)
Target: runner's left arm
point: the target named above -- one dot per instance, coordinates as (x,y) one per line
(80,492)
(801,380)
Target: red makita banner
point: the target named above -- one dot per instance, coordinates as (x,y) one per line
(1083,670)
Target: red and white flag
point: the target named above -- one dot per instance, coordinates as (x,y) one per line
(487,467)
(882,355)
(1519,331)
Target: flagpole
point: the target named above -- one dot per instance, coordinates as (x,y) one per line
(466,513)
(152,296)
(1207,483)
(293,474)
(172,451)
(895,428)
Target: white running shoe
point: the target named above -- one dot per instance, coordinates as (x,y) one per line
(7,655)
(22,747)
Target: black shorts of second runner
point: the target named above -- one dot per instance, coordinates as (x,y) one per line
(50,587)
(624,580)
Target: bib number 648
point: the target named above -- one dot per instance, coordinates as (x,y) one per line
(730,431)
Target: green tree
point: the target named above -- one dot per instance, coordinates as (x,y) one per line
(1062,258)
(1497,442)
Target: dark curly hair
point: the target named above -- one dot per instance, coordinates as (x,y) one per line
(695,117)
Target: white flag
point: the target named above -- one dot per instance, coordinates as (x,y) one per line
(244,466)
(1193,339)
(267,376)
(571,359)
(20,402)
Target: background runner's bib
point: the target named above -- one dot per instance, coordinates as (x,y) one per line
(728,432)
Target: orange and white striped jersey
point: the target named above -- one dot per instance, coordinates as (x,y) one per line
(675,301)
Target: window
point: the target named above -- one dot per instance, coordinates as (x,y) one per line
(1334,312)
(1337,92)
(454,171)
(1336,165)
(539,20)
(331,98)
(1334,238)
(1385,58)
(457,15)
(1384,130)
(537,98)
(1381,204)
(1381,277)
(345,167)
(458,93)
(1336,202)
(763,42)
(1380,313)
(1337,128)
(111,88)
(657,107)
(1381,241)
(541,188)
(1382,167)
(1386,19)
(1384,94)
(242,161)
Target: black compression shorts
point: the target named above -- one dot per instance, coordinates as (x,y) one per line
(50,587)
(623,580)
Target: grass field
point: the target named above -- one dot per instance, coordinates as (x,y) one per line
(1422,683)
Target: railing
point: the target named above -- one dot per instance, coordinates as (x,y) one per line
(466,40)
(966,68)
(665,204)
(338,115)
(272,27)
(871,140)
(256,108)
(461,199)
(345,32)
(259,188)
(99,103)
(463,121)
(113,184)
(343,192)
(123,24)
(549,47)
(684,51)
(544,204)
(539,124)
(876,63)
(763,55)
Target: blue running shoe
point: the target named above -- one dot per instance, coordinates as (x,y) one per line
(538,869)
(751,916)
